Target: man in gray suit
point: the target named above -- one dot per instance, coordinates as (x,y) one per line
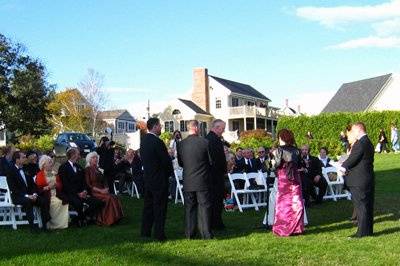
(194,157)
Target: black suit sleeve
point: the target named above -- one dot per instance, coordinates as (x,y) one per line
(12,184)
(354,157)
(66,184)
(164,158)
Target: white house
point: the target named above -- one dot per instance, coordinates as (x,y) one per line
(120,121)
(374,94)
(241,106)
(289,111)
(3,138)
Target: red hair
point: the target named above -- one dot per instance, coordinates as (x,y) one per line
(287,136)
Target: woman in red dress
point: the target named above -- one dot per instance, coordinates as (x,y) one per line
(112,211)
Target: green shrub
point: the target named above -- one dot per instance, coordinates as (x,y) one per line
(254,139)
(326,127)
(166,137)
(43,144)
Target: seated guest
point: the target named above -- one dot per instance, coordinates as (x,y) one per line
(24,191)
(74,188)
(250,165)
(130,169)
(6,161)
(312,176)
(46,183)
(31,167)
(239,161)
(112,211)
(262,161)
(323,157)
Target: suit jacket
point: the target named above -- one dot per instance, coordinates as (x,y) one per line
(72,183)
(263,166)
(5,166)
(328,160)
(156,162)
(314,167)
(219,165)
(239,166)
(17,185)
(194,157)
(360,164)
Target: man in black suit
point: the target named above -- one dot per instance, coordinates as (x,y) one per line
(157,168)
(312,177)
(218,171)
(194,157)
(24,191)
(74,188)
(6,162)
(360,179)
(262,161)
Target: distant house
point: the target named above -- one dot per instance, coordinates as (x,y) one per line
(373,94)
(120,121)
(240,105)
(289,111)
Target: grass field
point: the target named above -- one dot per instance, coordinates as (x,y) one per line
(324,243)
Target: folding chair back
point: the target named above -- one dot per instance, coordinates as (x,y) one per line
(243,196)
(178,173)
(335,187)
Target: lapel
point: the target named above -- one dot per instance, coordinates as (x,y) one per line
(21,179)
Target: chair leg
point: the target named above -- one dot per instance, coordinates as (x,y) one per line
(238,202)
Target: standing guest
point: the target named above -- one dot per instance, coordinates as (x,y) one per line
(196,182)
(75,190)
(344,141)
(394,137)
(6,161)
(312,176)
(25,192)
(382,139)
(218,171)
(176,138)
(106,161)
(360,179)
(323,157)
(157,170)
(95,180)
(289,209)
(31,167)
(46,183)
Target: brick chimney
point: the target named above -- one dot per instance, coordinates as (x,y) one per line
(200,93)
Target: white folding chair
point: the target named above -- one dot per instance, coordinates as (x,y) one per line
(261,194)
(248,195)
(11,214)
(335,188)
(133,190)
(179,187)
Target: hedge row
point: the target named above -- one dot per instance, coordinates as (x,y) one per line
(326,128)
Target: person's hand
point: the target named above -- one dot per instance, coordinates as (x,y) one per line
(317,178)
(83,194)
(104,191)
(47,188)
(33,197)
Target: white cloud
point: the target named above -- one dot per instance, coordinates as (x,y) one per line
(331,16)
(387,27)
(368,42)
(384,20)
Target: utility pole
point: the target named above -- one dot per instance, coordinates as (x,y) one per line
(148,109)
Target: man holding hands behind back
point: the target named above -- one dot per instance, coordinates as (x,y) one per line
(194,157)
(360,179)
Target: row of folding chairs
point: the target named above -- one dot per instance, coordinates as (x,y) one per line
(246,197)
(131,187)
(11,214)
(335,188)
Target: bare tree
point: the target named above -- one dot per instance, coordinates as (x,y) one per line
(91,87)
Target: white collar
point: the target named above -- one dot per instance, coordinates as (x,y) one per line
(361,136)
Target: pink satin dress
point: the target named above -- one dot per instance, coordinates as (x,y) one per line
(289,208)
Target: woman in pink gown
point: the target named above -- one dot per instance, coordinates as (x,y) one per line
(289,208)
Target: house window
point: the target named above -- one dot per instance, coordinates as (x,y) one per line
(218,103)
(250,103)
(183,125)
(121,126)
(2,135)
(235,102)
(80,107)
(169,126)
(131,127)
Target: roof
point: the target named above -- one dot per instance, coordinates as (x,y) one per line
(117,114)
(356,96)
(240,88)
(194,107)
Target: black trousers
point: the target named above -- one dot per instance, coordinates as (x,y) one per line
(198,214)
(92,208)
(27,206)
(363,200)
(309,190)
(217,201)
(154,212)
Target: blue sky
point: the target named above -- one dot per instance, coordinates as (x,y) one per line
(300,50)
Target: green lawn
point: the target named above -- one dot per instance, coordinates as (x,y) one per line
(325,241)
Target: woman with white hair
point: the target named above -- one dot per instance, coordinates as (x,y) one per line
(97,183)
(46,182)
